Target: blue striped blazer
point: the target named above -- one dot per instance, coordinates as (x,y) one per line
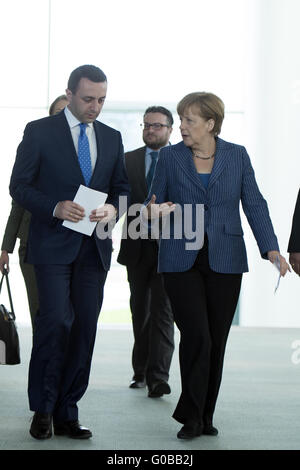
(232,181)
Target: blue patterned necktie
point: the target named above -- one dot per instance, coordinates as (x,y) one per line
(151,171)
(84,156)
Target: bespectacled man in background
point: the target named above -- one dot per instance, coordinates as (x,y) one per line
(152,318)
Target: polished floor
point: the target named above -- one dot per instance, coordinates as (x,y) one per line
(258,407)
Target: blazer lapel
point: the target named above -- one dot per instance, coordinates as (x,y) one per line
(221,160)
(184,159)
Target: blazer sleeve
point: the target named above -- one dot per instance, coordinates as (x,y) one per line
(294,241)
(12,227)
(256,210)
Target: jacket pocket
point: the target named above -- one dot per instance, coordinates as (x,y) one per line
(233,230)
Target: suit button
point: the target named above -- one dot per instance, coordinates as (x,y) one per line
(205,207)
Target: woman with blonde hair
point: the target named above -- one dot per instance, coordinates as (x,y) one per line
(203,282)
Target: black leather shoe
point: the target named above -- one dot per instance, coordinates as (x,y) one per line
(72,429)
(41,426)
(137,384)
(159,389)
(190,430)
(210,430)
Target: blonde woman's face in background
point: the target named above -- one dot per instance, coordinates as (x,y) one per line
(60,105)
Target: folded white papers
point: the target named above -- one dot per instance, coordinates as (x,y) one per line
(89,199)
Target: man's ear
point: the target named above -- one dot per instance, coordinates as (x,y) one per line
(69,94)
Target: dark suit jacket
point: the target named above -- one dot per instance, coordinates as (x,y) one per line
(130,249)
(17,226)
(47,171)
(294,242)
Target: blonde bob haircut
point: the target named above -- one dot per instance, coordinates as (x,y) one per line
(207,105)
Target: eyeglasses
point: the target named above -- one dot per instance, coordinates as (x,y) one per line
(156,125)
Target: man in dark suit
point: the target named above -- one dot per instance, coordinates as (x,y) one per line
(57,155)
(152,318)
(294,242)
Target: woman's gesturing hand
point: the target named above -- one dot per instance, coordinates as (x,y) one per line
(154,211)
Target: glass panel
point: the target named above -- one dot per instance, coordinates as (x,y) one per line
(24,53)
(160,51)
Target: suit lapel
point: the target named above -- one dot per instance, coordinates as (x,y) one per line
(140,169)
(64,137)
(135,166)
(102,163)
(100,141)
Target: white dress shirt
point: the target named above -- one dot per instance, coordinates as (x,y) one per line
(75,131)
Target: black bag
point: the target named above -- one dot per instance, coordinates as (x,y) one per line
(9,339)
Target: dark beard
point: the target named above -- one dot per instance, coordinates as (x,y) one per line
(155,145)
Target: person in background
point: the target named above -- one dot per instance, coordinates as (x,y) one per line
(57,155)
(58,105)
(152,318)
(294,241)
(203,273)
(17,226)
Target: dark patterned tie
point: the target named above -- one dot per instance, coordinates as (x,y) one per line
(151,171)
(84,156)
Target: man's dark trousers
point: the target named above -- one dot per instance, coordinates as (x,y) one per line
(71,296)
(152,318)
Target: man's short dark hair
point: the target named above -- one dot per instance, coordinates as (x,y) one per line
(162,110)
(91,72)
